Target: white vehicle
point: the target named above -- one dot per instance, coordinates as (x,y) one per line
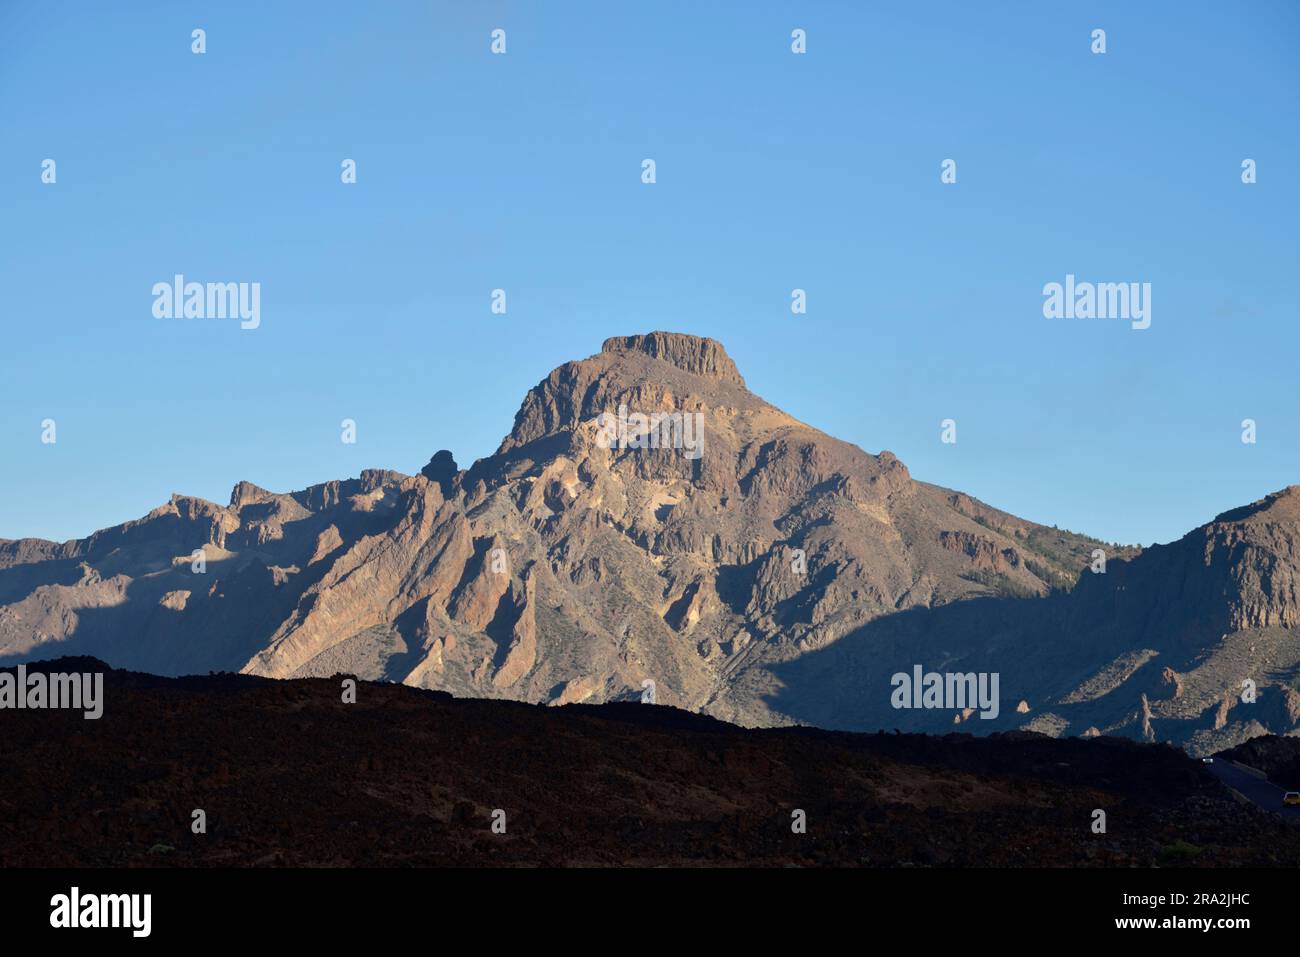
(1207,760)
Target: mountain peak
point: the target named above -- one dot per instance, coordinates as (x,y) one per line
(245,493)
(696,354)
(752,566)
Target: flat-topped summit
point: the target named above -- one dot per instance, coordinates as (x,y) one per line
(635,371)
(697,354)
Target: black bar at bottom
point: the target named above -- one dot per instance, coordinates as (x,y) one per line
(604,907)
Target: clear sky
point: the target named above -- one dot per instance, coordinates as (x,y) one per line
(775,171)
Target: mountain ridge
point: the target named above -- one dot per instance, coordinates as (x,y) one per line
(779,576)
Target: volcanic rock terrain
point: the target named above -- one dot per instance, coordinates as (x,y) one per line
(288,774)
(775,575)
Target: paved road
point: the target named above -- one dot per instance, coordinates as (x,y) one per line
(1264,793)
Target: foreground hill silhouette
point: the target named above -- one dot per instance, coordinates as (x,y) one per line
(287,774)
(774,575)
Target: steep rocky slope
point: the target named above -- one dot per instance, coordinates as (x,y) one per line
(761,571)
(1165,646)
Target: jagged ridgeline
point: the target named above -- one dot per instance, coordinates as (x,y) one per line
(748,565)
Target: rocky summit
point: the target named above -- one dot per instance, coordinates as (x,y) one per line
(651,529)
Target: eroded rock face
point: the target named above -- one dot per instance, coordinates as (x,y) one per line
(983,552)
(521,653)
(704,357)
(779,575)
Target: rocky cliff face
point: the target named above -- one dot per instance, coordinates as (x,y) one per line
(649,519)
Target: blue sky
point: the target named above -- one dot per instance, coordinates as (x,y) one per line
(775,171)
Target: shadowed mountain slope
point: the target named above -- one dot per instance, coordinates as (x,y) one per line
(287,774)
